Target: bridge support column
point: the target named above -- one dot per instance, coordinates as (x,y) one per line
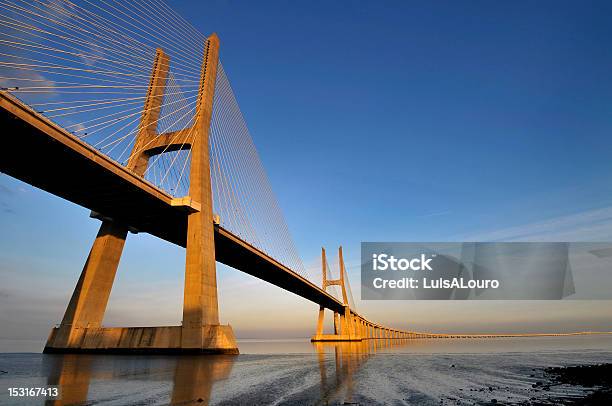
(88,302)
(201,330)
(336,324)
(350,326)
(347,326)
(320,321)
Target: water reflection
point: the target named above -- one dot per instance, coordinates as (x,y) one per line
(192,377)
(184,380)
(299,372)
(348,357)
(71,373)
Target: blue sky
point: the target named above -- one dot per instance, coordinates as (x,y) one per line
(408,120)
(392,121)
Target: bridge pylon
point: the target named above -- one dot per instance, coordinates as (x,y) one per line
(81,327)
(347,325)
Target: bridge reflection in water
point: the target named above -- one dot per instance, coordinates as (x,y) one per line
(184,380)
(337,376)
(192,377)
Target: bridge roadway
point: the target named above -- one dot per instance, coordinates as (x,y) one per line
(39,152)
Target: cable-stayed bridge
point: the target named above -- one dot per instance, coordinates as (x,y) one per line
(125,108)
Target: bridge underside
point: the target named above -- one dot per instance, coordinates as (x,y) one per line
(44,155)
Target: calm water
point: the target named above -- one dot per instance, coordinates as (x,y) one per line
(297,372)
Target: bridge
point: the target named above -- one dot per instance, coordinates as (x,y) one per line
(135,120)
(129,202)
(125,109)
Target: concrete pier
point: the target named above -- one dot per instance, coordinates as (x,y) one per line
(347,325)
(142,340)
(200,332)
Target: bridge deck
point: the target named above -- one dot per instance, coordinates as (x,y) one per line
(39,152)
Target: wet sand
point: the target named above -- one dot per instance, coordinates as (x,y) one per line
(595,380)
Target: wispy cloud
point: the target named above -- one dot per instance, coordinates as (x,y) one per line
(591,225)
(7,209)
(5,190)
(435,214)
(25,78)
(78,127)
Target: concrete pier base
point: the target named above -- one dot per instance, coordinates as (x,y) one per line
(335,337)
(218,339)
